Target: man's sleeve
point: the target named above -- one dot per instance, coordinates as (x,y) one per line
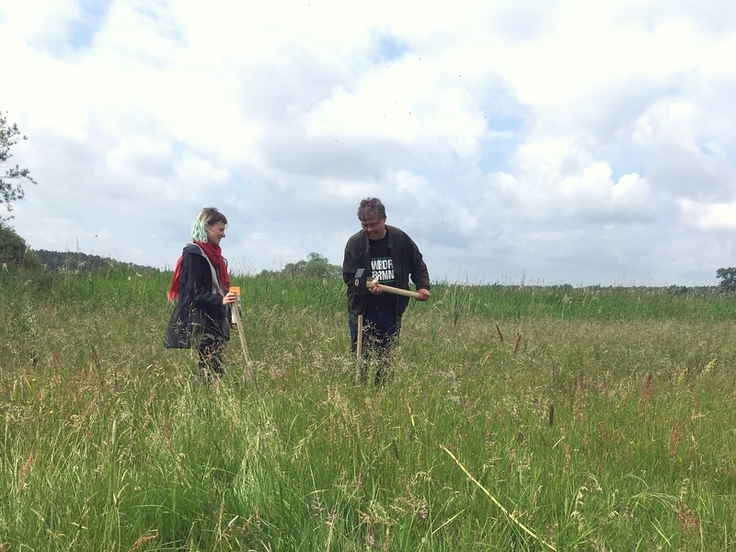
(418,269)
(349,265)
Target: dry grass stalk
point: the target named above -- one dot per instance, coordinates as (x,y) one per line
(647,389)
(568,458)
(24,472)
(508,514)
(579,413)
(517,342)
(690,522)
(498,329)
(359,482)
(143,539)
(220,516)
(330,526)
(167,433)
(675,440)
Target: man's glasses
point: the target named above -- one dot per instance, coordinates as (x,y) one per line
(370,225)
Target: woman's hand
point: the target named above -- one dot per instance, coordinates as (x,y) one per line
(230,298)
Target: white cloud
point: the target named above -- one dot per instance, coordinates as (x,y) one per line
(556,179)
(507,138)
(708,217)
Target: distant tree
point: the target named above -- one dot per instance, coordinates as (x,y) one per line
(11,183)
(727,277)
(315,265)
(14,252)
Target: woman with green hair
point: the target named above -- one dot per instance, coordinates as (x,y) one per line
(201,289)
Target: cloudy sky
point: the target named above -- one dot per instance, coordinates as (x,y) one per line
(552,142)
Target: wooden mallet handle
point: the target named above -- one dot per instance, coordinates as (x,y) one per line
(396,291)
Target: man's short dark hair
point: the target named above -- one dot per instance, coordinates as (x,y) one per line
(370,207)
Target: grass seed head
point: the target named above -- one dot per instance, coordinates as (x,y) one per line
(24,472)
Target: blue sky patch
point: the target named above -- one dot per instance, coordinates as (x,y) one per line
(92,18)
(387,47)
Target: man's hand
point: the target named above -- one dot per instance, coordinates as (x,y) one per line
(423,294)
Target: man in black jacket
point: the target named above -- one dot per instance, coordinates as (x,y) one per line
(389,256)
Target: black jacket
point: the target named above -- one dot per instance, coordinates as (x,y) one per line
(199,310)
(407,262)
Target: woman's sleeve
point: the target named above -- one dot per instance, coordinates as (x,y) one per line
(197,285)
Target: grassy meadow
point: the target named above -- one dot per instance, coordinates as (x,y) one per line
(519,418)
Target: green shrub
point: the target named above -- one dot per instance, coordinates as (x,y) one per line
(14,252)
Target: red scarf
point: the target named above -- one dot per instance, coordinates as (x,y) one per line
(214,254)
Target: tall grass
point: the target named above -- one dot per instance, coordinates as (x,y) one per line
(599,419)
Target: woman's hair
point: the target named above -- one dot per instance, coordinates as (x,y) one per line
(206,217)
(370,207)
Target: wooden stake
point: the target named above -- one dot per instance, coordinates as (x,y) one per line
(239,324)
(396,291)
(359,349)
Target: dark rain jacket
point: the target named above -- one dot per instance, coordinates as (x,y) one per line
(199,313)
(407,262)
